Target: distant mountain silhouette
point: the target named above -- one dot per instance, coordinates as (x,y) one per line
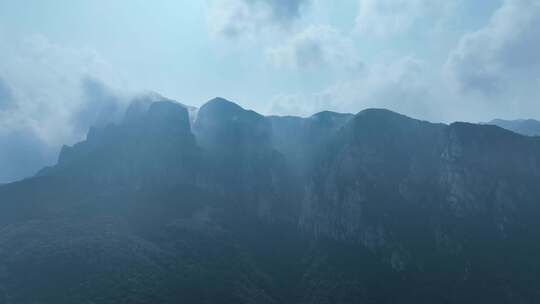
(224,205)
(530,127)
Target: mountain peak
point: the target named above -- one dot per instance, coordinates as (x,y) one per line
(324,115)
(221,121)
(169,112)
(530,127)
(381,119)
(381,113)
(223,104)
(140,104)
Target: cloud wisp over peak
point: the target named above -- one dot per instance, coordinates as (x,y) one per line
(49,96)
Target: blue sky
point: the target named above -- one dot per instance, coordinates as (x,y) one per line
(436,60)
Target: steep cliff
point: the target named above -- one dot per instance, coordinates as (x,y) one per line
(229,206)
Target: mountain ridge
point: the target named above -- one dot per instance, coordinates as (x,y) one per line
(529,127)
(236,207)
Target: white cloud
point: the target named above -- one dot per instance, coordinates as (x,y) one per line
(49,100)
(314,47)
(237,18)
(502,56)
(405,86)
(492,72)
(385,18)
(46,82)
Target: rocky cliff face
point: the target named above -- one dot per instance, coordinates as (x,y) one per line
(413,192)
(242,162)
(300,139)
(382,163)
(154,146)
(229,206)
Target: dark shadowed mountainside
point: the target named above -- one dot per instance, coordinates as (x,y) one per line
(224,205)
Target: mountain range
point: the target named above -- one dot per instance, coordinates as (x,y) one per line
(223,205)
(530,127)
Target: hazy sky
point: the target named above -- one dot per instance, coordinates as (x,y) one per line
(64,63)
